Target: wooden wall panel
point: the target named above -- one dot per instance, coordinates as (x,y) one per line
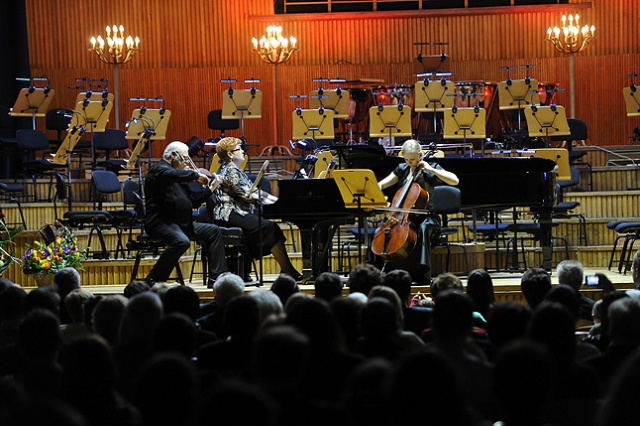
(188,46)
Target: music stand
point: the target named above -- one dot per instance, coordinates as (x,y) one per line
(242,104)
(145,126)
(359,190)
(322,164)
(517,94)
(32,102)
(459,123)
(63,155)
(95,114)
(632,101)
(558,155)
(390,121)
(433,96)
(336,100)
(314,123)
(547,121)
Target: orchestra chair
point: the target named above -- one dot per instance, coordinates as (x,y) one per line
(530,231)
(562,209)
(630,232)
(145,245)
(579,133)
(233,247)
(9,192)
(215,122)
(491,229)
(448,200)
(30,142)
(108,141)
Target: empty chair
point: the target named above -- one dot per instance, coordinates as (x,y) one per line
(33,144)
(215,122)
(578,129)
(109,141)
(563,208)
(58,119)
(630,232)
(448,200)
(11,192)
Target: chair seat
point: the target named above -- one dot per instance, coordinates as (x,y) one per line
(88,216)
(11,188)
(627,227)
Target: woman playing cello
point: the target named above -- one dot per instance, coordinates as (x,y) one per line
(428,175)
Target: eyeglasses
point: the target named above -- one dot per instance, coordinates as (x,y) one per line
(237,149)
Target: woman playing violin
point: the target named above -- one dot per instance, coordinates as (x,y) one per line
(231,204)
(429,175)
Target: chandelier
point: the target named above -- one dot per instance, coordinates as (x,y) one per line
(116,49)
(574,39)
(274,48)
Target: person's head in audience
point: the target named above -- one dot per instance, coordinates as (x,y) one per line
(535,284)
(74,303)
(242,317)
(624,321)
(452,316)
(235,397)
(363,278)
(480,289)
(379,320)
(445,281)
(313,317)
(284,286)
(571,273)
(65,280)
(605,320)
(507,322)
(400,281)
(295,299)
(176,332)
(182,299)
(45,298)
(553,325)
(347,311)
(268,302)
(389,294)
(328,286)
(281,357)
(141,317)
(619,407)
(39,336)
(162,288)
(524,382)
(596,312)
(135,287)
(5,283)
(11,303)
(107,317)
(226,287)
(366,391)
(567,297)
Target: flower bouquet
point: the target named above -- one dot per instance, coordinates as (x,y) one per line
(58,250)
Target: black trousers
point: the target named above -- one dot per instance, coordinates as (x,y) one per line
(178,242)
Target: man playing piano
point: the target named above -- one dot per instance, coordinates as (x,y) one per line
(418,262)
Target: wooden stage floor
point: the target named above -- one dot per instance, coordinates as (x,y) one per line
(506,285)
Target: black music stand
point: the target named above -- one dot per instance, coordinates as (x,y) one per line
(433,96)
(145,126)
(359,190)
(313,123)
(460,123)
(547,121)
(32,102)
(390,121)
(242,104)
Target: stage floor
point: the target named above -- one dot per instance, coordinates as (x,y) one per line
(506,285)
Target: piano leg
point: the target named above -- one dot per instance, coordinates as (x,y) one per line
(546,238)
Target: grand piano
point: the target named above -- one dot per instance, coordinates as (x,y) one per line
(485,183)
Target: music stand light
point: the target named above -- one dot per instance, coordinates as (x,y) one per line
(335,100)
(547,121)
(313,123)
(463,123)
(32,102)
(390,121)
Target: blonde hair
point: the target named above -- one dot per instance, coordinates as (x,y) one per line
(411,146)
(225,146)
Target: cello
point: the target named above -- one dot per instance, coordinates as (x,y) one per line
(396,237)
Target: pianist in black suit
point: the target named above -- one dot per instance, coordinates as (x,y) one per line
(169,217)
(232,205)
(418,263)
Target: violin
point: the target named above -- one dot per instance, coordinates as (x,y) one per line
(397,235)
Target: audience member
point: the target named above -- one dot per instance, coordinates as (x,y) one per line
(135,287)
(184,299)
(363,278)
(635,270)
(328,286)
(507,322)
(226,287)
(535,284)
(284,286)
(571,273)
(347,311)
(11,312)
(619,408)
(176,332)
(268,302)
(108,316)
(366,391)
(74,306)
(445,281)
(65,280)
(43,298)
(416,318)
(480,289)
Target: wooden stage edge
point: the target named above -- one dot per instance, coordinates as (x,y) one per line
(506,285)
